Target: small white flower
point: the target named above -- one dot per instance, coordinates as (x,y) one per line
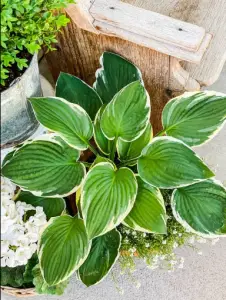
(175,245)
(164,242)
(147,245)
(191,240)
(134,233)
(174,231)
(144,234)
(19,237)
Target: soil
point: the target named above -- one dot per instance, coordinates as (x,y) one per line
(14,72)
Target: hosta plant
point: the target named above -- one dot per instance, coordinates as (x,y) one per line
(122,182)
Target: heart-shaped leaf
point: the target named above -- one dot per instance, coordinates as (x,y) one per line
(103,255)
(127,115)
(63,248)
(148,213)
(201,207)
(132,150)
(77,91)
(115,73)
(68,120)
(52,207)
(169,163)
(102,142)
(196,117)
(107,197)
(46,167)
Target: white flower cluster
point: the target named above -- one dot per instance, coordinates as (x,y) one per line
(18,236)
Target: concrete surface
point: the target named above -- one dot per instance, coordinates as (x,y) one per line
(203,276)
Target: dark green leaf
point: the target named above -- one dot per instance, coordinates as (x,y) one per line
(46,167)
(52,207)
(127,115)
(201,207)
(77,91)
(148,213)
(169,163)
(68,120)
(115,73)
(64,246)
(103,255)
(196,117)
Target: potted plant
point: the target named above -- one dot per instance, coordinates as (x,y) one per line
(25,27)
(132,193)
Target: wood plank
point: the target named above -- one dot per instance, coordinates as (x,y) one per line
(79,52)
(148,24)
(209,14)
(168,49)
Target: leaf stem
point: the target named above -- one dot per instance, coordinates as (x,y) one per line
(86,164)
(113,149)
(161,133)
(92,149)
(16,195)
(125,163)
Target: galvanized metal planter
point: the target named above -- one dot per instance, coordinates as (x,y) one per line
(17,117)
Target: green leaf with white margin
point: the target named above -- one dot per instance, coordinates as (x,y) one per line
(132,150)
(127,115)
(63,248)
(102,257)
(201,208)
(108,196)
(148,213)
(52,207)
(169,163)
(196,117)
(102,142)
(77,91)
(115,73)
(70,121)
(46,167)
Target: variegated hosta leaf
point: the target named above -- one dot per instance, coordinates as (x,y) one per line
(132,150)
(63,248)
(77,91)
(108,195)
(194,117)
(102,142)
(115,73)
(169,163)
(68,120)
(148,213)
(127,115)
(52,207)
(201,207)
(103,255)
(46,167)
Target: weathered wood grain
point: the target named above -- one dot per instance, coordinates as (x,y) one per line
(148,24)
(209,14)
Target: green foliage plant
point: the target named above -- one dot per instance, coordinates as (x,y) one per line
(26,26)
(122,183)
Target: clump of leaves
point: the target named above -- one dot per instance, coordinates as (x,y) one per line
(124,184)
(20,276)
(41,287)
(26,26)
